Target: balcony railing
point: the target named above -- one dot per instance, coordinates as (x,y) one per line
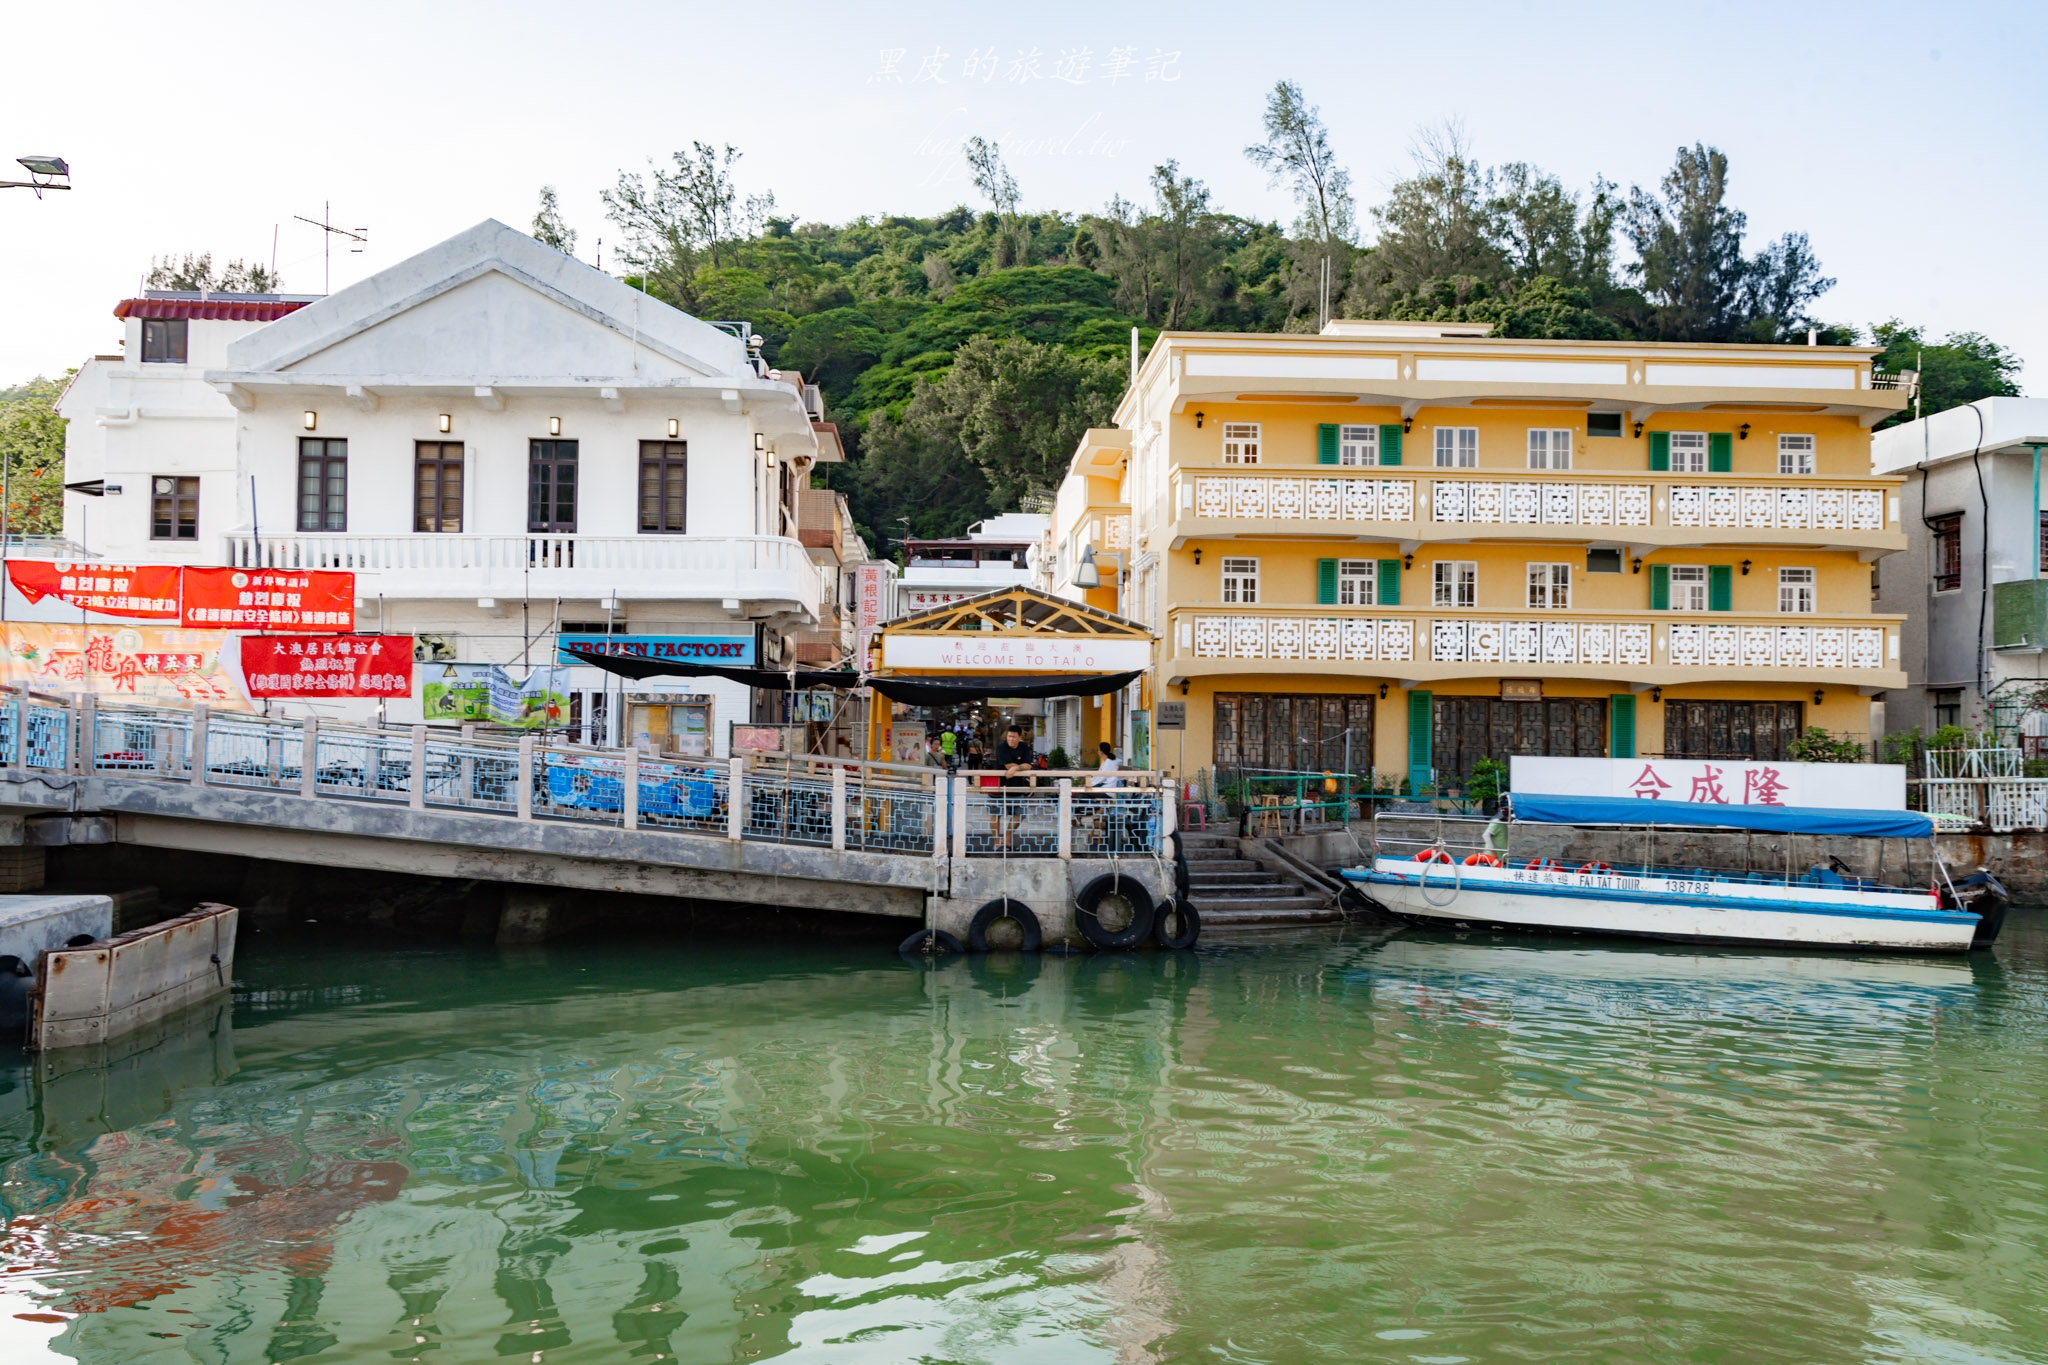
(1465,498)
(753,567)
(1621,642)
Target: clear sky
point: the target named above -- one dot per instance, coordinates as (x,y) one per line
(1908,141)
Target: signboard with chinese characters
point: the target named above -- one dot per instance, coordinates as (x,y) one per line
(871,595)
(327,665)
(1017,653)
(486,692)
(1728,782)
(727,651)
(159,664)
(269,599)
(1173,715)
(924,599)
(147,592)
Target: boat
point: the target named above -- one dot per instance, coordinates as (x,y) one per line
(1779,876)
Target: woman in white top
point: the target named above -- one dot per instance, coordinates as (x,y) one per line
(1110,764)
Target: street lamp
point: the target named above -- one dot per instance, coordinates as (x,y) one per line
(1086,575)
(44,173)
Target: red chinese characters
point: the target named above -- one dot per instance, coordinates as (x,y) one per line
(148,592)
(327,666)
(269,599)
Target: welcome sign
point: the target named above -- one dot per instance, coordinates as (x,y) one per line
(1016,653)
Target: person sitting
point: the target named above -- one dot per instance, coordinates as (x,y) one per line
(1110,764)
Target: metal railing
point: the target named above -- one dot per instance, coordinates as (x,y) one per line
(1981,788)
(840,804)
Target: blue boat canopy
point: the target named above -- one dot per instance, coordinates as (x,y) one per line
(1629,810)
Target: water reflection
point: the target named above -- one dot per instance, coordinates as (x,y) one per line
(1406,1147)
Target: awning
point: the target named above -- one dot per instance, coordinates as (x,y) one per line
(911,691)
(223,310)
(1628,810)
(632,666)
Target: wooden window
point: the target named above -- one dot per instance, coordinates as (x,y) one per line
(1796,589)
(164,341)
(1948,551)
(1240,443)
(323,484)
(437,486)
(551,486)
(664,482)
(1467,729)
(1948,706)
(1292,733)
(1688,452)
(1731,729)
(173,508)
(1456,583)
(1457,447)
(1550,587)
(1550,448)
(1240,581)
(1688,587)
(1358,445)
(1795,455)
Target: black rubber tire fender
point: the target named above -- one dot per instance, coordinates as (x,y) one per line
(1176,923)
(1090,901)
(930,943)
(1004,907)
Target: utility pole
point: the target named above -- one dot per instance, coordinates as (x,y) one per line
(360,236)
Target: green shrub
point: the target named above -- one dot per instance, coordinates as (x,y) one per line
(1818,746)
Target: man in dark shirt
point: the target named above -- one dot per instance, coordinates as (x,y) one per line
(1013,756)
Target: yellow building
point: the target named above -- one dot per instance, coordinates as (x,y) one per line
(1412,545)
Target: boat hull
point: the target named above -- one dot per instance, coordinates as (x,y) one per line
(1554,904)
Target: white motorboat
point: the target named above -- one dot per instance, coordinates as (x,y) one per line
(1729,874)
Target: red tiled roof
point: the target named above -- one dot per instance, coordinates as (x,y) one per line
(224,310)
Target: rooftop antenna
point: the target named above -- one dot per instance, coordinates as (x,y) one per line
(360,236)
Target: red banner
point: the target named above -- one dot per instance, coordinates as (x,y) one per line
(270,599)
(144,591)
(327,665)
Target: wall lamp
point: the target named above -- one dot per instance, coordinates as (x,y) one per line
(312,419)
(447,423)
(1198,419)
(760,443)
(1742,432)
(1086,575)
(675,427)
(554,426)
(1745,568)
(1407,425)
(1198,556)
(1639,430)
(1819,696)
(1383,691)
(1657,695)
(1636,565)
(1183,687)
(1407,561)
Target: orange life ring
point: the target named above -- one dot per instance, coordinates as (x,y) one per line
(1544,865)
(1432,855)
(1482,860)
(1586,869)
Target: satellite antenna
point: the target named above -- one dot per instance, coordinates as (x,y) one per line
(360,236)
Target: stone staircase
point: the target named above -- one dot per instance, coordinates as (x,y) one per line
(1232,891)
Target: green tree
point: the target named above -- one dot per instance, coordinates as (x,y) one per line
(548,225)
(32,450)
(999,187)
(1438,234)
(194,274)
(677,218)
(1960,369)
(1296,151)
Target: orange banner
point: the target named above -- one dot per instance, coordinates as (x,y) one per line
(269,599)
(141,663)
(144,591)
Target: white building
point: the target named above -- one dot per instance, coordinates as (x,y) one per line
(502,443)
(999,552)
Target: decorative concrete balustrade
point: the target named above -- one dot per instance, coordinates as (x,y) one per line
(839,804)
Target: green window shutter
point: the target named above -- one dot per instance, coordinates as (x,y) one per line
(1660,587)
(1660,450)
(1720,587)
(1720,452)
(1326,443)
(1389,593)
(1419,717)
(1390,443)
(1621,726)
(1326,582)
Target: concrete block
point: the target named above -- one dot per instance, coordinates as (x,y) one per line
(58,831)
(1047,885)
(22,869)
(29,926)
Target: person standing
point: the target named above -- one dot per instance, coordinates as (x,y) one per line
(1013,756)
(949,748)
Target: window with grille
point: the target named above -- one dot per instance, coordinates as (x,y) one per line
(323,484)
(1357,581)
(1688,452)
(1796,590)
(163,341)
(173,508)
(1240,443)
(437,486)
(1457,447)
(1358,445)
(1550,448)
(551,486)
(1240,581)
(1795,455)
(1688,587)
(664,480)
(1948,551)
(1455,583)
(1550,586)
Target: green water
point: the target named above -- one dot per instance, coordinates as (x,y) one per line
(1406,1147)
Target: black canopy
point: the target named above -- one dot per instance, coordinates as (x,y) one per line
(910,691)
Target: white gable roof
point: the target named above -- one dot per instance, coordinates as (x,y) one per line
(490,305)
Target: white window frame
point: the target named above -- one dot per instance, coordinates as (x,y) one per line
(1456,447)
(1358,445)
(1550,587)
(1550,447)
(1240,581)
(1688,452)
(1690,592)
(1240,443)
(1796,454)
(1798,591)
(1358,582)
(1454,583)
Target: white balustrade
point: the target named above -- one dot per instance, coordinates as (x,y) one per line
(1312,498)
(1721,507)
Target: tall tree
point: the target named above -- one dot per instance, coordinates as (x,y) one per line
(1187,236)
(195,274)
(999,187)
(548,225)
(32,449)
(1296,151)
(678,219)
(1438,236)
